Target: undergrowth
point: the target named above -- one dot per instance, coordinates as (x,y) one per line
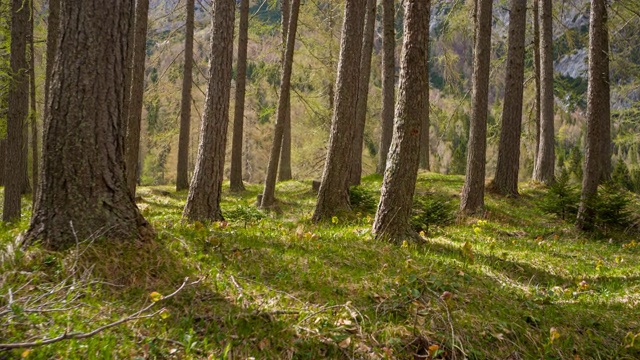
(517,282)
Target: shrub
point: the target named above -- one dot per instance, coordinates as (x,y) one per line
(561,199)
(246,214)
(612,206)
(362,199)
(431,210)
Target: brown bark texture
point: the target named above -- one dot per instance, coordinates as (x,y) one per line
(506,178)
(394,210)
(269,192)
(182,175)
(545,160)
(205,192)
(363,93)
(536,72)
(472,199)
(388,81)
(134,118)
(426,124)
(598,141)
(333,196)
(15,161)
(33,111)
(241,85)
(52,39)
(83,189)
(284,171)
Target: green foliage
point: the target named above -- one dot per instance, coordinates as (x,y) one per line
(363,199)
(432,209)
(244,214)
(612,207)
(561,199)
(622,177)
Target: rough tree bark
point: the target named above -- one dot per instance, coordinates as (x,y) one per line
(134,118)
(392,218)
(32,102)
(426,124)
(182,176)
(597,152)
(284,172)
(203,202)
(388,81)
(536,73)
(83,188)
(241,85)
(269,193)
(545,160)
(333,196)
(363,93)
(15,162)
(506,178)
(472,199)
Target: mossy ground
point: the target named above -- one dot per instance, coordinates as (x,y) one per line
(515,282)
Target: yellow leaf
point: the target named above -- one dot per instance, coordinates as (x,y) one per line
(25,353)
(334,220)
(432,349)
(155,296)
(165,314)
(553,334)
(405,244)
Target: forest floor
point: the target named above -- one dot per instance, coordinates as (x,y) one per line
(514,284)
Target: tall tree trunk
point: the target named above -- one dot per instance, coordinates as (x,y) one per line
(15,162)
(241,85)
(205,192)
(132,148)
(284,172)
(545,160)
(536,70)
(128,75)
(472,199)
(32,102)
(506,179)
(388,81)
(392,218)
(333,196)
(182,176)
(269,193)
(52,39)
(598,142)
(83,190)
(3,156)
(363,93)
(426,124)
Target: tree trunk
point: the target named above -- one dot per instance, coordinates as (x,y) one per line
(32,102)
(83,190)
(598,139)
(388,80)
(182,176)
(506,179)
(241,85)
(545,161)
(363,93)
(472,199)
(3,156)
(52,39)
(392,218)
(284,172)
(536,73)
(132,148)
(333,196)
(426,124)
(205,192)
(15,162)
(269,193)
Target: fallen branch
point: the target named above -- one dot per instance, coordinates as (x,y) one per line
(83,335)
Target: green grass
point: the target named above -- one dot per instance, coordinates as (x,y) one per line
(275,285)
